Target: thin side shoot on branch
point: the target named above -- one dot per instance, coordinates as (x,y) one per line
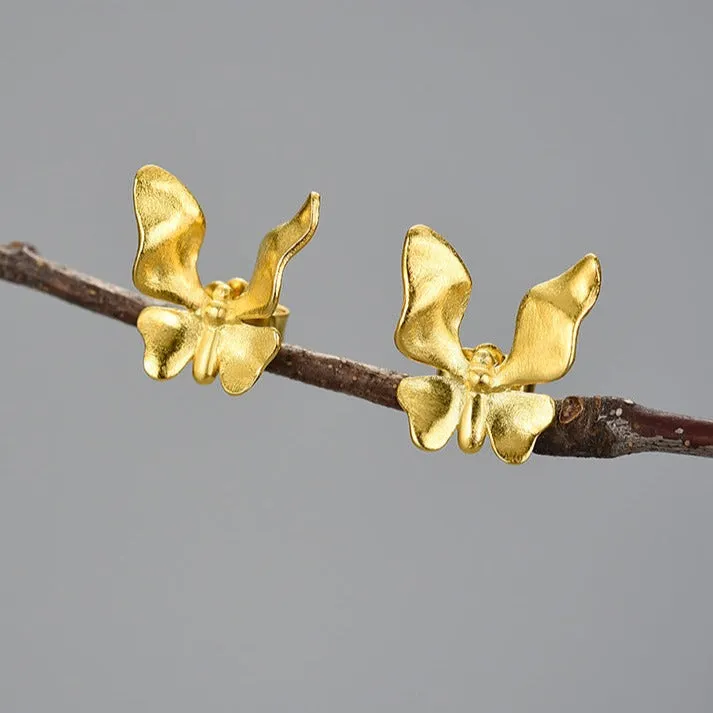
(584,426)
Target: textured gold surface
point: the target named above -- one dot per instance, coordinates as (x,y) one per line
(229,328)
(481,391)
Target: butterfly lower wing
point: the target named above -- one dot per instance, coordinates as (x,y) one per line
(243,353)
(171,230)
(277,248)
(170,339)
(515,419)
(547,325)
(437,288)
(433,405)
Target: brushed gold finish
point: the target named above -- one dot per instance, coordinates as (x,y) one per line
(232,329)
(482,392)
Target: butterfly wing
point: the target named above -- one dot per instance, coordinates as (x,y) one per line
(170,337)
(277,248)
(171,229)
(514,421)
(547,325)
(437,288)
(433,405)
(243,353)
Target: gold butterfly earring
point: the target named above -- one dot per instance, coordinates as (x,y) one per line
(229,328)
(482,391)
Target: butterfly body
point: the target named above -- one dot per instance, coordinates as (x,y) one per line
(212,316)
(482,392)
(205,360)
(482,363)
(215,310)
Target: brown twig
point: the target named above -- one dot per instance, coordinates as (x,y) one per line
(585,426)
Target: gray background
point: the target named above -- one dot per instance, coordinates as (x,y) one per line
(166,548)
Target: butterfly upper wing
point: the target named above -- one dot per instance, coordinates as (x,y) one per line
(171,229)
(433,405)
(170,336)
(243,353)
(283,242)
(437,288)
(514,421)
(547,324)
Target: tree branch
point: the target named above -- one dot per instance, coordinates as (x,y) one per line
(593,426)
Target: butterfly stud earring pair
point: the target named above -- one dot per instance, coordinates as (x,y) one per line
(235,328)
(232,328)
(482,391)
